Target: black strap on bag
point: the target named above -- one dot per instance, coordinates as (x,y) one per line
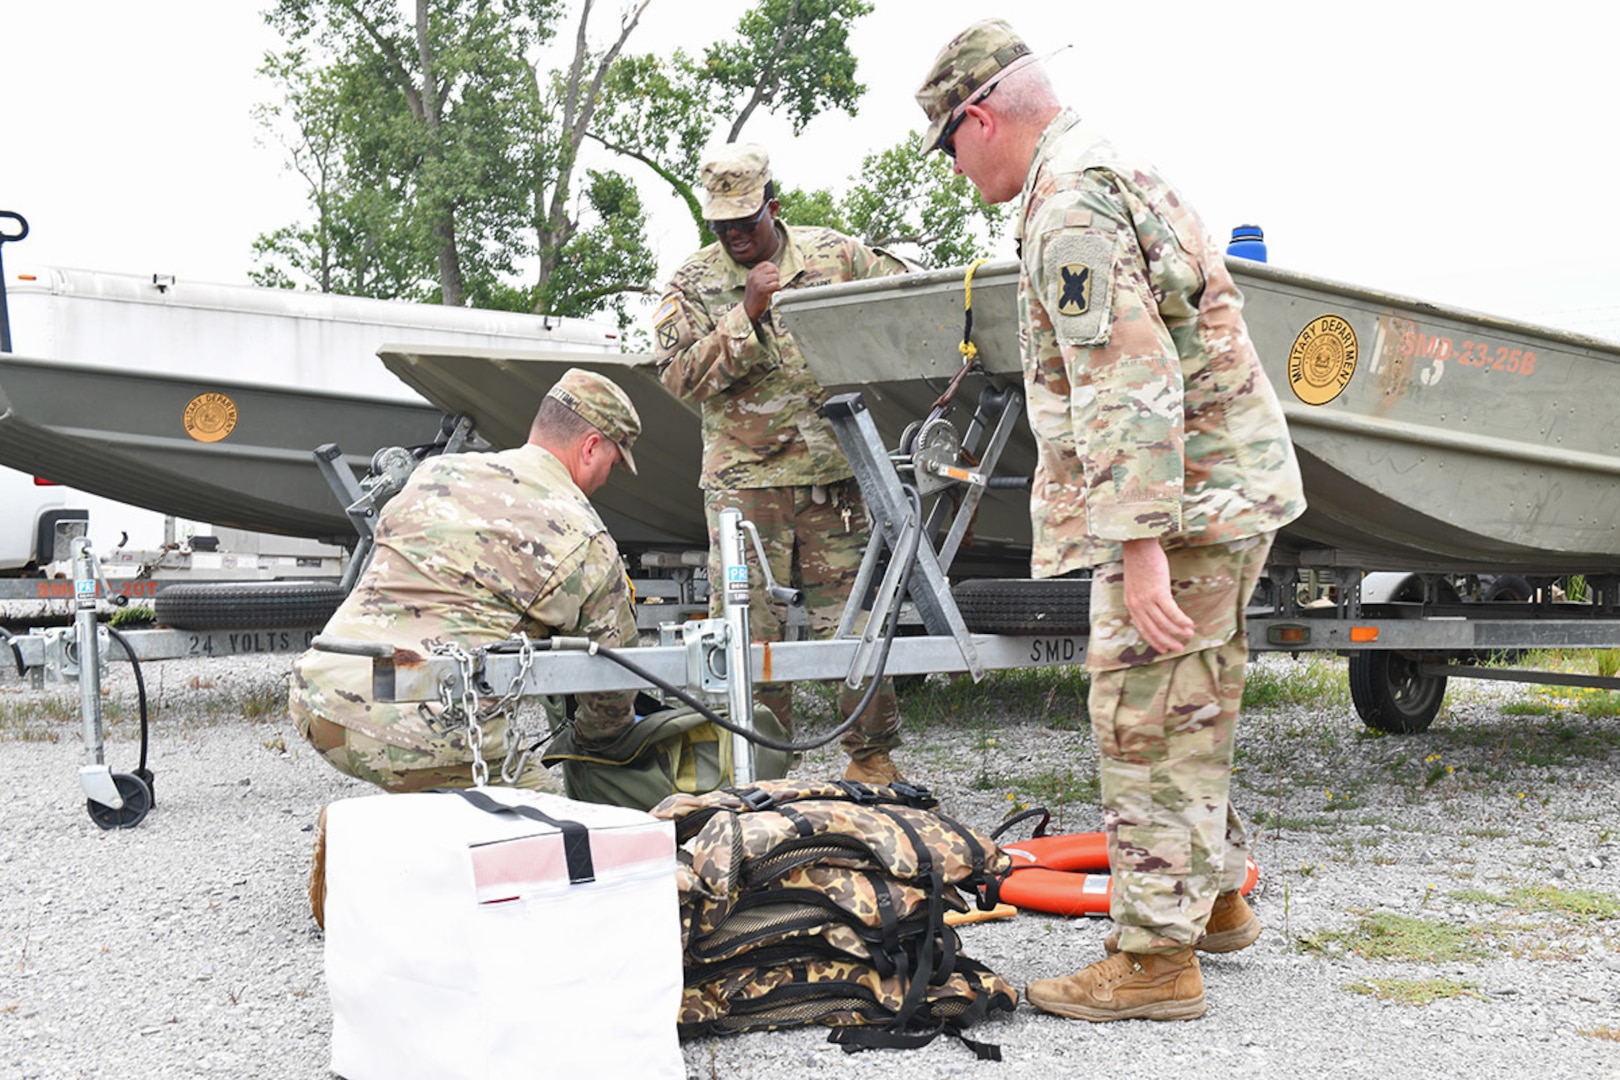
(576,838)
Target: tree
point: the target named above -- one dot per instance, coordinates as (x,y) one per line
(359,242)
(440,158)
(444,163)
(556,229)
(790,56)
(905,199)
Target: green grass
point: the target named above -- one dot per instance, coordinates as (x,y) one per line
(1385,935)
(1057,787)
(1417,992)
(1052,696)
(46,719)
(1582,904)
(51,716)
(1313,679)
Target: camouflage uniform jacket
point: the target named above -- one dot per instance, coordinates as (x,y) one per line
(1151,412)
(477,548)
(758,397)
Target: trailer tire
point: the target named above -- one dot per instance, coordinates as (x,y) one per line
(1025,605)
(1390,693)
(1505,589)
(247,605)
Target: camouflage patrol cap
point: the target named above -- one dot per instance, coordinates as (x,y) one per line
(969,64)
(734,179)
(599,401)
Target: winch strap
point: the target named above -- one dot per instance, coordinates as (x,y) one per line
(576,838)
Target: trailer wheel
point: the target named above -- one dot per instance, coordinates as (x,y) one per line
(1025,605)
(247,605)
(137,801)
(1390,693)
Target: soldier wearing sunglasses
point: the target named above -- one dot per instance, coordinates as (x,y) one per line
(765,449)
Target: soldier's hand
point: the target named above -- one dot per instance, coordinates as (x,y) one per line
(1152,607)
(763,282)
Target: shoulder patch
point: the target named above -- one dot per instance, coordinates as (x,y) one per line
(1079,271)
(667,325)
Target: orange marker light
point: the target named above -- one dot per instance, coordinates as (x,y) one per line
(1364,633)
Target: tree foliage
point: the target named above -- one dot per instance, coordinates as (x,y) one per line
(787,56)
(440,159)
(910,201)
(791,55)
(443,163)
(414,110)
(905,202)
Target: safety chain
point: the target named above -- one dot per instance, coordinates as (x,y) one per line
(518,736)
(517,754)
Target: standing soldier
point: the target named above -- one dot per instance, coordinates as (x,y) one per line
(1166,465)
(765,449)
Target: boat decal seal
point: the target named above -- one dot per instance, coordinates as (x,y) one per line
(210,417)
(1322,359)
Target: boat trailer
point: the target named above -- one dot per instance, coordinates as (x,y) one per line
(1407,645)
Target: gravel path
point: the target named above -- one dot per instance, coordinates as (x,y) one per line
(184,947)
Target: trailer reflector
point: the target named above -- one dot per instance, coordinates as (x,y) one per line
(1364,633)
(1288,635)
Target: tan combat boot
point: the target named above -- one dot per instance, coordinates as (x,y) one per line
(1126,986)
(1232,925)
(873,767)
(317,873)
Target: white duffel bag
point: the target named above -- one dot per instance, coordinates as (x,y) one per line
(501,933)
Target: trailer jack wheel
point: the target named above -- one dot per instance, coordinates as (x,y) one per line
(137,801)
(1391,693)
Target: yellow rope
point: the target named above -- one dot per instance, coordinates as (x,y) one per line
(969,350)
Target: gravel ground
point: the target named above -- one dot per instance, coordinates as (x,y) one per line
(184,947)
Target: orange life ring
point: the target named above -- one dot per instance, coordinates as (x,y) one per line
(1051,874)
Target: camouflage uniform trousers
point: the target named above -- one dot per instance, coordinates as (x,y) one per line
(1166,729)
(440,757)
(815,546)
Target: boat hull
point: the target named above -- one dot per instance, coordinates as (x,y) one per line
(124,435)
(1428,437)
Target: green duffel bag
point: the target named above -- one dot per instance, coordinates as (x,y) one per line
(675,751)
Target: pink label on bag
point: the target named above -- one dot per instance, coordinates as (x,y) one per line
(506,870)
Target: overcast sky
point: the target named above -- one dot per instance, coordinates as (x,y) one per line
(1424,147)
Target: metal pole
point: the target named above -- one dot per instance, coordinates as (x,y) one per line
(739,658)
(94,776)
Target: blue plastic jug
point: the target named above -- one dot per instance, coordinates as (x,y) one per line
(1248,242)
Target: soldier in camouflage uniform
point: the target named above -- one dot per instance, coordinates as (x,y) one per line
(1165,464)
(765,449)
(478,548)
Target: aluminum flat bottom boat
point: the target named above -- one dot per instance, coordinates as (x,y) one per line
(1430,438)
(216,450)
(662,508)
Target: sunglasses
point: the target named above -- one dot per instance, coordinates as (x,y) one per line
(720,228)
(947,138)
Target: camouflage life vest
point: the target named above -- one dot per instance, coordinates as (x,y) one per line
(823,903)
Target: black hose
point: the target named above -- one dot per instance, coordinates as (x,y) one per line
(140,696)
(910,559)
(619,657)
